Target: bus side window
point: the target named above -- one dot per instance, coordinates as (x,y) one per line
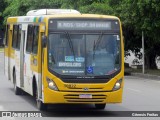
(15,36)
(7,35)
(29,39)
(19,37)
(35,40)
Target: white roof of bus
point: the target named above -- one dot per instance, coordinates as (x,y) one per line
(55,13)
(51,12)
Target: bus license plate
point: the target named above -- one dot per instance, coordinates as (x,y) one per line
(85,96)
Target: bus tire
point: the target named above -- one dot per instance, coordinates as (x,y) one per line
(17,90)
(40,105)
(100,106)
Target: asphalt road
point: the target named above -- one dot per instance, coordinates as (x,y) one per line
(139,95)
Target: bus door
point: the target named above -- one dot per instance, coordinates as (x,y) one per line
(27,58)
(36,55)
(8,41)
(40,32)
(31,56)
(41,58)
(22,56)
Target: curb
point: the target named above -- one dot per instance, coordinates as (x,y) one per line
(147,76)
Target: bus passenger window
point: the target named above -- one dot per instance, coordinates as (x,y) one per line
(19,37)
(7,35)
(29,39)
(35,41)
(15,36)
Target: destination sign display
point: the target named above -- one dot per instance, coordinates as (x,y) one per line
(77,24)
(83,25)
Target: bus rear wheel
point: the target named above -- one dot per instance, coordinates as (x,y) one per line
(17,90)
(100,106)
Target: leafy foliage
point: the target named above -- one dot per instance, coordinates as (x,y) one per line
(21,7)
(136,16)
(2,7)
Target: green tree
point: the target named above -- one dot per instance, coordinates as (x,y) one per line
(97,8)
(138,16)
(77,4)
(21,7)
(2,7)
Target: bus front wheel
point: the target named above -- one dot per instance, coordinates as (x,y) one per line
(100,106)
(40,104)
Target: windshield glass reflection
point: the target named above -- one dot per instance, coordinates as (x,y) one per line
(84,54)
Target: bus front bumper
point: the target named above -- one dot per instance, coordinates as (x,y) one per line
(55,97)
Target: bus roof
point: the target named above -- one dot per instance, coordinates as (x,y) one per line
(51,12)
(40,16)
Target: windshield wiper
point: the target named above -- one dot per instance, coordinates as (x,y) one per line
(97,43)
(70,43)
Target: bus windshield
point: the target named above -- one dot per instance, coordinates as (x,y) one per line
(82,54)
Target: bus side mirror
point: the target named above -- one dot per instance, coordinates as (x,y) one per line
(44,41)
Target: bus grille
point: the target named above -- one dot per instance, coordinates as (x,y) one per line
(91,81)
(75,98)
(85,90)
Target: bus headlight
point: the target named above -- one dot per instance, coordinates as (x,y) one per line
(117,85)
(51,84)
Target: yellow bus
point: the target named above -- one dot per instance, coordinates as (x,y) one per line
(63,56)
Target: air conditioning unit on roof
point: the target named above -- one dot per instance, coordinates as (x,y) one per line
(51,12)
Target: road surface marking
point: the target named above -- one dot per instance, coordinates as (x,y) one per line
(134,90)
(156,81)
